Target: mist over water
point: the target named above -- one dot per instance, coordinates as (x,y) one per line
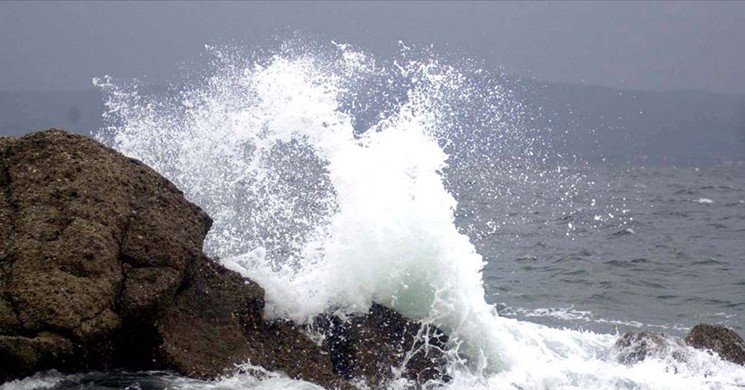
(333,179)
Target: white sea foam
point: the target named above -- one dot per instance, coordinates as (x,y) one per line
(327,216)
(41,380)
(572,315)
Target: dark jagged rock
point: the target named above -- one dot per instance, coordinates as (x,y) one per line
(227,312)
(723,341)
(101,267)
(634,347)
(371,346)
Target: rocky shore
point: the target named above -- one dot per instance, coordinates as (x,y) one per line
(101,267)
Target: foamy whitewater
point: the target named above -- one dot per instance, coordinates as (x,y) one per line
(325,171)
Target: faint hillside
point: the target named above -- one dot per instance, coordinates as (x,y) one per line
(24,112)
(591,123)
(595,123)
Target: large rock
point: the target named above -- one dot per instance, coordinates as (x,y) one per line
(79,223)
(723,341)
(101,266)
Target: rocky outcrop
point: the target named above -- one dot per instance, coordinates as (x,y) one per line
(633,347)
(101,266)
(723,341)
(94,245)
(225,314)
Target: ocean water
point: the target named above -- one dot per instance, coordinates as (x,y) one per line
(662,250)
(336,179)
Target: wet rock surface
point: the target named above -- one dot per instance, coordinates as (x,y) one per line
(723,341)
(633,347)
(101,267)
(373,345)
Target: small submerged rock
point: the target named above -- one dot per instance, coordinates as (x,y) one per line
(624,232)
(634,347)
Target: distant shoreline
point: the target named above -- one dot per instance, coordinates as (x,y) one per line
(578,122)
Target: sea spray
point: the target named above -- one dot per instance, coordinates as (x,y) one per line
(382,231)
(331,206)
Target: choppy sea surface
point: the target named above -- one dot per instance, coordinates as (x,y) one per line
(336,179)
(662,250)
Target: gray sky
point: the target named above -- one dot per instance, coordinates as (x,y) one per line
(632,45)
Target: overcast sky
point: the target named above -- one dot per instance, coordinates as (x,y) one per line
(631,45)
